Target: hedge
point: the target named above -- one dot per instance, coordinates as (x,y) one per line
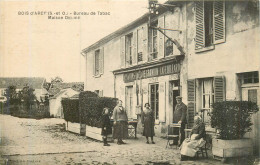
(71,110)
(91,109)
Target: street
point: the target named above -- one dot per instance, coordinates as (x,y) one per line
(30,141)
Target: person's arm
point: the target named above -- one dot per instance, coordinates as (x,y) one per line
(184,111)
(115,115)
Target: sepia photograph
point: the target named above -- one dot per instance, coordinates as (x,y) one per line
(129,82)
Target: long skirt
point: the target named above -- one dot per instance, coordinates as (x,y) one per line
(120,130)
(148,129)
(189,147)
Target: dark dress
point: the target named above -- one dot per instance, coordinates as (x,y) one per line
(148,121)
(106,124)
(180,114)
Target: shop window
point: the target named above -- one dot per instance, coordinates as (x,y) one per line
(249,77)
(153,39)
(154,99)
(129,48)
(210,23)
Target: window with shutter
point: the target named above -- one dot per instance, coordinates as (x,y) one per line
(219,85)
(122,51)
(101,61)
(191,84)
(134,45)
(153,41)
(140,44)
(210,23)
(129,49)
(161,37)
(96,62)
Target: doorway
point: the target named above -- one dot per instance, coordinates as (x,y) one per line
(129,101)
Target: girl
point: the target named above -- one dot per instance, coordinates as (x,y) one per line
(106,126)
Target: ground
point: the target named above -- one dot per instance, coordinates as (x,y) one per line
(31,141)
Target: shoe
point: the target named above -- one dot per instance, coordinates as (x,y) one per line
(182,157)
(122,142)
(153,142)
(106,144)
(119,143)
(147,142)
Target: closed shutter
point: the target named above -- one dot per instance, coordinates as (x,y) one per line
(134,53)
(191,102)
(101,61)
(162,100)
(94,70)
(200,26)
(219,88)
(122,51)
(219,22)
(161,37)
(145,42)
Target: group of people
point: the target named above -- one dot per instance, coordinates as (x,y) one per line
(188,146)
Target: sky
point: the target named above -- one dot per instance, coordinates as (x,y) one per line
(34,46)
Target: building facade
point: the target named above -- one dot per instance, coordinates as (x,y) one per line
(214,57)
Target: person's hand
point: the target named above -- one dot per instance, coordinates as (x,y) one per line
(179,122)
(105,128)
(114,122)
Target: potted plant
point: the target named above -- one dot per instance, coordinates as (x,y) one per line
(232,119)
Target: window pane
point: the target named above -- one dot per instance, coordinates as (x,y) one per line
(252,95)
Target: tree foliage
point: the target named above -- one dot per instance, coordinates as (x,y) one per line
(233,118)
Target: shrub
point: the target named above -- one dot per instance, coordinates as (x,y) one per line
(91,109)
(232,118)
(71,110)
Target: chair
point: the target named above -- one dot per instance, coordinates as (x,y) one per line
(203,150)
(171,136)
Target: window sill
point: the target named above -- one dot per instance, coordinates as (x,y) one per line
(250,85)
(212,47)
(97,76)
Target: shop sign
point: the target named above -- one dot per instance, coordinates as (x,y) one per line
(152,72)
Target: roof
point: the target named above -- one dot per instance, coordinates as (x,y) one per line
(20,82)
(57,87)
(143,19)
(70,93)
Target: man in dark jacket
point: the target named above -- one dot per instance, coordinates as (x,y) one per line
(179,116)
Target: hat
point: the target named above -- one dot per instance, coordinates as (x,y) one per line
(178,97)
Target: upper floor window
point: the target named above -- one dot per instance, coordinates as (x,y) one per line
(210,23)
(98,62)
(129,48)
(168,47)
(140,35)
(153,40)
(249,77)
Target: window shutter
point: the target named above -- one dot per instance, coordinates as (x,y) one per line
(219,88)
(191,102)
(150,46)
(161,37)
(162,101)
(145,42)
(122,51)
(94,63)
(200,27)
(101,61)
(134,53)
(219,22)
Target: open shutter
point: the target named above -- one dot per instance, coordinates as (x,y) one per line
(150,46)
(134,53)
(162,101)
(200,26)
(219,22)
(94,63)
(122,51)
(191,102)
(145,42)
(219,88)
(161,37)
(101,61)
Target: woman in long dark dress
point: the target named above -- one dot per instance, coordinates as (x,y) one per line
(148,122)
(106,126)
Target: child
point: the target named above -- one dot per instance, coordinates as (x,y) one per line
(106,126)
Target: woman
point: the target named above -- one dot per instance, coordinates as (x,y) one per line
(191,145)
(120,123)
(148,123)
(106,126)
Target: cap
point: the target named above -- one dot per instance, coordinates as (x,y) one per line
(178,97)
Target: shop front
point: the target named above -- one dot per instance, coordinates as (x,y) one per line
(156,83)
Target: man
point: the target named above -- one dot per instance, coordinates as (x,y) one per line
(179,116)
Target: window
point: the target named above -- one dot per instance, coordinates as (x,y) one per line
(129,48)
(98,62)
(99,93)
(129,101)
(154,96)
(207,99)
(97,52)
(210,23)
(153,39)
(249,77)
(140,44)
(168,47)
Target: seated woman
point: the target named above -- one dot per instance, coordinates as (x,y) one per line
(191,145)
